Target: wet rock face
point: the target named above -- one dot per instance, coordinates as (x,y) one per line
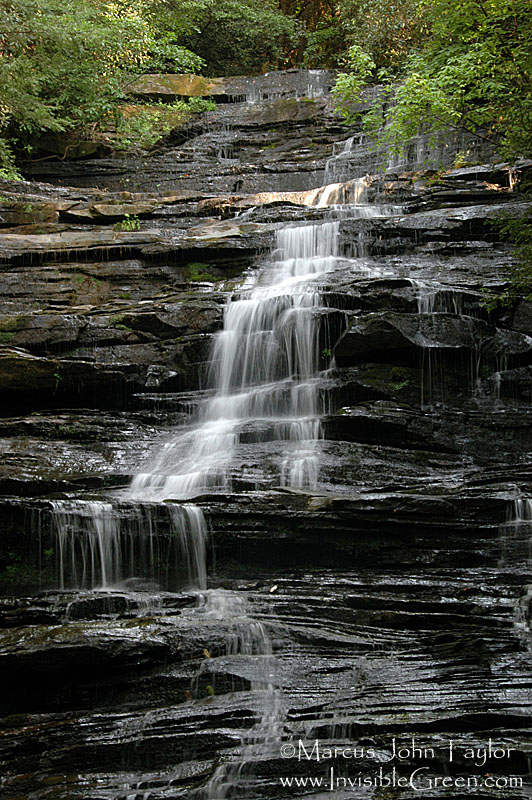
(257,89)
(404,337)
(272,132)
(392,602)
(107,300)
(153,685)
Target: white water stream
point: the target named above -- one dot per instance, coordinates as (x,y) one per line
(266,370)
(266,367)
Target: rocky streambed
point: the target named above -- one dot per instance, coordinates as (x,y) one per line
(388,606)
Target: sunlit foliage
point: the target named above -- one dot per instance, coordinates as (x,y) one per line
(62,61)
(473,72)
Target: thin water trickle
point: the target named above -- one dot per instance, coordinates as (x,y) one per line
(516,532)
(516,552)
(100,546)
(245,637)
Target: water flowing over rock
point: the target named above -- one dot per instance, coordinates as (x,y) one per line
(266,476)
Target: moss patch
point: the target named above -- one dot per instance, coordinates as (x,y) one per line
(197,271)
(13,323)
(17,570)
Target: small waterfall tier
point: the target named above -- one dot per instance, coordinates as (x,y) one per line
(516,532)
(267,363)
(100,545)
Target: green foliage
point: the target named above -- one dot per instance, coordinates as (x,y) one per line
(200,105)
(386,29)
(17,572)
(400,379)
(517,231)
(167,57)
(349,85)
(8,170)
(62,64)
(61,60)
(462,159)
(197,272)
(168,21)
(144,126)
(129,223)
(461,63)
(473,72)
(325,46)
(236,37)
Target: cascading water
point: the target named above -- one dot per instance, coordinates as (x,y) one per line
(246,638)
(336,167)
(266,365)
(265,369)
(516,532)
(475,337)
(266,378)
(316,85)
(516,552)
(101,546)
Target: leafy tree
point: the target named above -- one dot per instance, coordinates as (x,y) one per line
(327,27)
(518,232)
(474,72)
(169,22)
(387,29)
(236,37)
(62,64)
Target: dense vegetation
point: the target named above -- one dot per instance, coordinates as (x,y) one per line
(462,63)
(468,64)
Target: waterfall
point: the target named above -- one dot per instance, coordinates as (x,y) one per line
(248,638)
(101,546)
(516,532)
(265,366)
(338,167)
(266,375)
(520,512)
(265,370)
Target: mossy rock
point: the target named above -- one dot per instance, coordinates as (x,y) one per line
(197,272)
(15,212)
(172,86)
(14,323)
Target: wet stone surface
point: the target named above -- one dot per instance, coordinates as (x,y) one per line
(388,603)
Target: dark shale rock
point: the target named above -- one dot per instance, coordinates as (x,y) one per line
(289,83)
(384,336)
(396,598)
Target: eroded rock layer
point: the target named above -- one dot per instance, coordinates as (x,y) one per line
(387,607)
